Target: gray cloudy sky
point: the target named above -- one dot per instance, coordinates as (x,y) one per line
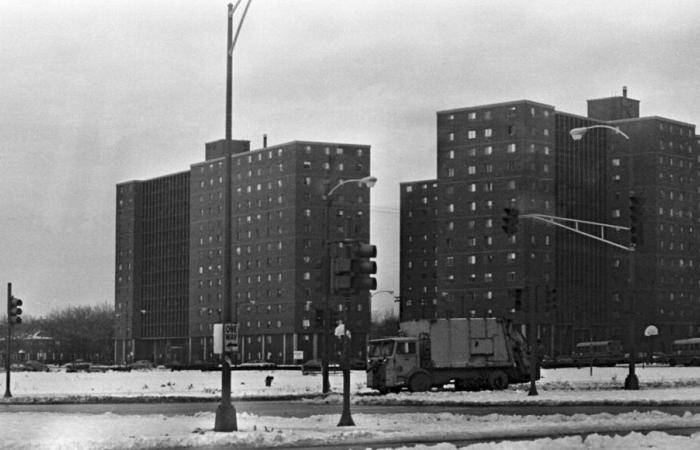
(97,93)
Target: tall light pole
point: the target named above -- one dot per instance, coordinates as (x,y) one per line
(368,182)
(631,382)
(225,419)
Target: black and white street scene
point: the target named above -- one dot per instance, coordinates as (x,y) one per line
(350,224)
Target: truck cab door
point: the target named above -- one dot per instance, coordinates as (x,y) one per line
(406,358)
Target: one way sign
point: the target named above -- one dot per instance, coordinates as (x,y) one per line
(229,338)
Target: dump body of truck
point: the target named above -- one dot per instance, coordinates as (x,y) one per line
(472,353)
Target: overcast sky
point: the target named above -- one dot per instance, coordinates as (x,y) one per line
(97,93)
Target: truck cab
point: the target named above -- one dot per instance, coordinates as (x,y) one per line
(391,362)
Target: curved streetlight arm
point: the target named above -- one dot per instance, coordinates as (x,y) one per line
(381,292)
(577,133)
(367,181)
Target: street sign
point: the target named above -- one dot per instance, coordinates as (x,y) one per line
(229,338)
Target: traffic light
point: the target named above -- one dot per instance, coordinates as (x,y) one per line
(362,267)
(636,220)
(551,299)
(510,220)
(341,278)
(517,299)
(14,311)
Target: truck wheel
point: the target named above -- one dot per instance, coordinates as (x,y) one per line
(498,380)
(419,382)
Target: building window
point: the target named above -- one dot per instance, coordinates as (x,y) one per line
(471,134)
(511,148)
(471,116)
(451,137)
(488,150)
(488,132)
(616,162)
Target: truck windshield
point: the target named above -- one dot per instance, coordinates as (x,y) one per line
(381,349)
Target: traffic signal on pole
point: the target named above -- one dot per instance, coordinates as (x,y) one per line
(510,220)
(341,278)
(551,299)
(319,318)
(517,299)
(636,233)
(14,311)
(363,268)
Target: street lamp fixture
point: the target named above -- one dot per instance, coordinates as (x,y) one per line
(381,292)
(577,133)
(366,181)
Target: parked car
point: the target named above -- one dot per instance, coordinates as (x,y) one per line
(141,364)
(35,366)
(78,365)
(315,366)
(257,364)
(311,366)
(358,364)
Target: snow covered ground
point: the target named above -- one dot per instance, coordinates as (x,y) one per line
(70,431)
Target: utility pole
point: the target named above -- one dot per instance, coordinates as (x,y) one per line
(225,419)
(8,394)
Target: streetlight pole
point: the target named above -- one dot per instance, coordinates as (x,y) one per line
(369,182)
(631,382)
(225,419)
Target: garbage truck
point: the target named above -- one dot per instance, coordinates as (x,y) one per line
(472,353)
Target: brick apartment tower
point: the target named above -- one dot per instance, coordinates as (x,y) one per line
(456,261)
(170,247)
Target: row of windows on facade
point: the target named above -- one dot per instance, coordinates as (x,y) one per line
(681,147)
(682,131)
(673,178)
(259,155)
(473,169)
(488,150)
(488,133)
(484,295)
(212,181)
(218,209)
(510,112)
(489,205)
(473,241)
(249,296)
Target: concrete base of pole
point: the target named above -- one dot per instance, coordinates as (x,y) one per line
(346,420)
(225,418)
(632,382)
(225,414)
(533,389)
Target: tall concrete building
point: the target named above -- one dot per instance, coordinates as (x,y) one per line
(457,261)
(171,246)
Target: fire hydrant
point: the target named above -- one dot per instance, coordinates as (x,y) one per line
(268,380)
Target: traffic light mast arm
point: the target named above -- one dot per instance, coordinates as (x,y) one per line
(573,225)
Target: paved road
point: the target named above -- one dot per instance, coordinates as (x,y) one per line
(288,408)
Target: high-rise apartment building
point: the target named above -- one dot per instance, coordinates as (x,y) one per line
(457,261)
(171,246)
